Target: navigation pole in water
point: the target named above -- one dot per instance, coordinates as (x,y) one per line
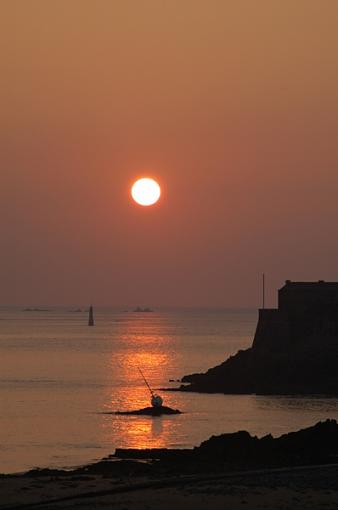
(91,316)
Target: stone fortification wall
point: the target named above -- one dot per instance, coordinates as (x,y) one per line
(294,351)
(308,297)
(271,332)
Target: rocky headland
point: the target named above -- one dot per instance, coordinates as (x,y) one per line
(294,351)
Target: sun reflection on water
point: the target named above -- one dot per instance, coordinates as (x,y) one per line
(139,431)
(142,346)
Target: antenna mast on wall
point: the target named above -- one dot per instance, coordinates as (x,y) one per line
(263,290)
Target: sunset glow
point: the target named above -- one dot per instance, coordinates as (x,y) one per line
(146,191)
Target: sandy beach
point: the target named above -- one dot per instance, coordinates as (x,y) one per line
(297,488)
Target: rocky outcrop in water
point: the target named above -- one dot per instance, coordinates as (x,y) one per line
(149,411)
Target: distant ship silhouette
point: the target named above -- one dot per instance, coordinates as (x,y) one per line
(139,309)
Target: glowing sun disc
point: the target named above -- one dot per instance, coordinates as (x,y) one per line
(146,191)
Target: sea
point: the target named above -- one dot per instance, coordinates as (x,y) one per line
(59,378)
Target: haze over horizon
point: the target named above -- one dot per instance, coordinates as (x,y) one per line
(232,106)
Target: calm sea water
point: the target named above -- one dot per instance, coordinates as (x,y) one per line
(57,377)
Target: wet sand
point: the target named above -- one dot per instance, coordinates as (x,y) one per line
(312,487)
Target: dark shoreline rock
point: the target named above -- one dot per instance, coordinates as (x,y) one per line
(314,445)
(148,411)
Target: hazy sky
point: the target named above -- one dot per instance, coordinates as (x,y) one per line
(232,105)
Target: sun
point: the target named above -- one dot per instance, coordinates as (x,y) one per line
(146,191)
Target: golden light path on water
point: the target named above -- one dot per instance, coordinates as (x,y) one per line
(152,354)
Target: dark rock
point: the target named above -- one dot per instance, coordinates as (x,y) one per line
(317,444)
(236,451)
(45,472)
(313,445)
(150,411)
(150,453)
(235,375)
(110,468)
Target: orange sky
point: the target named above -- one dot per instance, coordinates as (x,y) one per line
(232,105)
